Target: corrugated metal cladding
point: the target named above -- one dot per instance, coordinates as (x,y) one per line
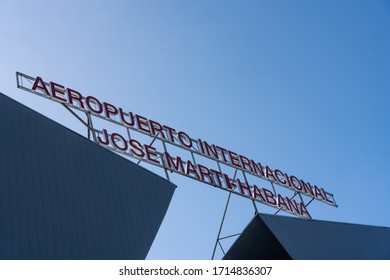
(311,240)
(64,197)
(257,242)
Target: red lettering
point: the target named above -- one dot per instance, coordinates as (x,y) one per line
(246,163)
(234,159)
(317,193)
(40,84)
(191,169)
(282,203)
(205,172)
(293,205)
(279,174)
(57,92)
(200,146)
(244,187)
(109,110)
(223,152)
(184,139)
(257,194)
(258,169)
(269,197)
(75,95)
(269,173)
(177,166)
(151,151)
(115,138)
(170,131)
(327,199)
(211,151)
(136,148)
(156,127)
(304,211)
(295,183)
(92,100)
(307,188)
(105,141)
(217,175)
(231,185)
(142,124)
(129,123)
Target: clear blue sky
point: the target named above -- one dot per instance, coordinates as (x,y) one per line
(302,86)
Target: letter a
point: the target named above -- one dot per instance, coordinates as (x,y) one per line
(40,84)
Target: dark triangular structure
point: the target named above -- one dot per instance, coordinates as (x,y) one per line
(279,237)
(65,197)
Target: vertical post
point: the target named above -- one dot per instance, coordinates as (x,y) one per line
(220,227)
(253,202)
(165,151)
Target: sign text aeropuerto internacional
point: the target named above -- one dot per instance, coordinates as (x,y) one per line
(213,176)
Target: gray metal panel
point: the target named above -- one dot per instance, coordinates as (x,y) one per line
(313,239)
(64,197)
(257,242)
(268,236)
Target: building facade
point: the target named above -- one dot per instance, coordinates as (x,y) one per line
(272,237)
(64,197)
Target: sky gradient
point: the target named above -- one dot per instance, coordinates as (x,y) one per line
(303,86)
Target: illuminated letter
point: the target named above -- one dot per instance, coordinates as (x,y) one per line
(268,173)
(211,151)
(317,193)
(293,205)
(304,211)
(122,117)
(178,166)
(40,84)
(191,169)
(136,148)
(109,110)
(234,159)
(217,176)
(244,187)
(75,95)
(257,193)
(171,131)
(258,169)
(279,173)
(307,189)
(205,172)
(200,146)
(115,138)
(269,197)
(106,141)
(295,183)
(56,88)
(156,127)
(91,99)
(282,204)
(246,163)
(142,124)
(229,183)
(186,138)
(151,151)
(222,152)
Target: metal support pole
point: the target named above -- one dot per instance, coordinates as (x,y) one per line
(165,170)
(74,114)
(232,235)
(253,202)
(151,143)
(273,187)
(220,227)
(309,202)
(290,198)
